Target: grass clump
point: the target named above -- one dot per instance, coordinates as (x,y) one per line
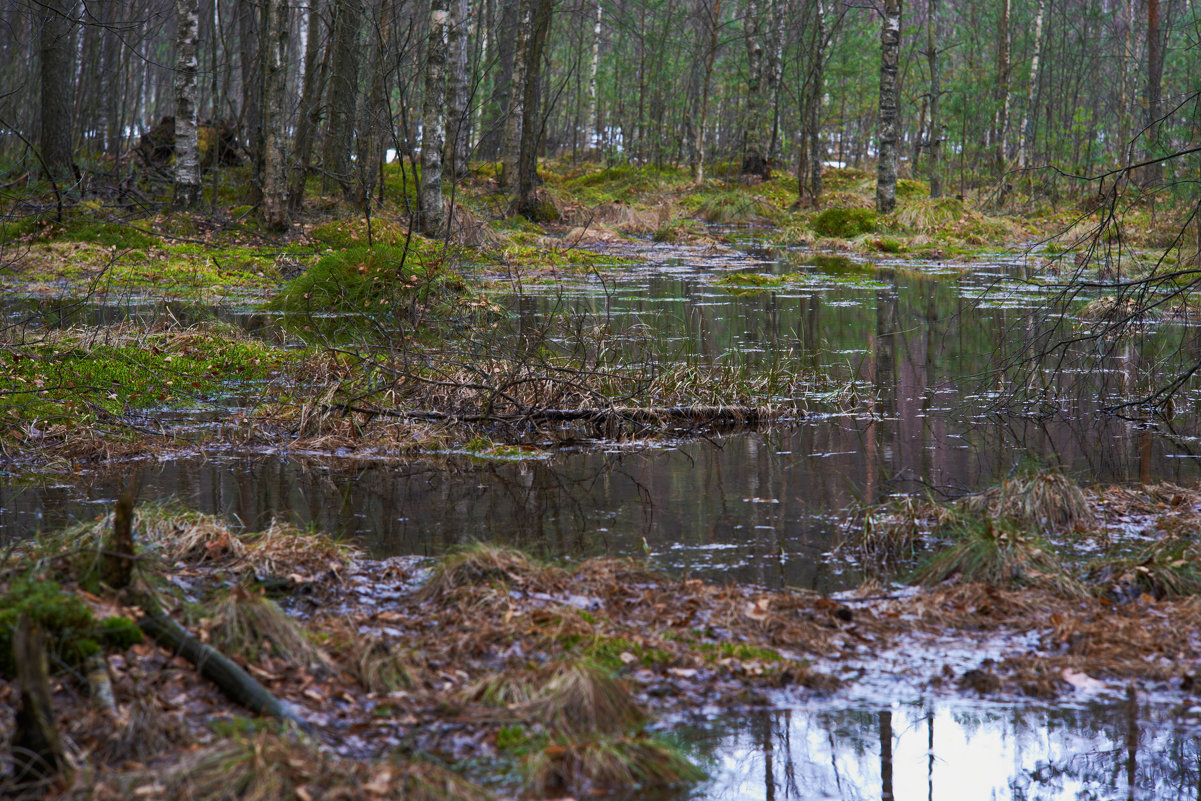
(380,666)
(482,566)
(580,698)
(1169,569)
(844,223)
(999,553)
(247,623)
(608,764)
(1049,500)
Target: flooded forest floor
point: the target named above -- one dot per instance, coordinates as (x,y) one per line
(132,339)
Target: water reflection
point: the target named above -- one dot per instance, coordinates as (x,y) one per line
(1121,749)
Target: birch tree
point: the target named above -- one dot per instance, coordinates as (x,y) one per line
(1024,133)
(890,50)
(934,138)
(458,139)
(187,149)
(274,209)
(433,122)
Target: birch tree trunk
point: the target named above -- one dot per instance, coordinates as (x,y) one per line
(934,141)
(890,49)
(274,209)
(187,148)
(590,133)
(458,142)
(1024,134)
(433,123)
(54,43)
(710,16)
(754,158)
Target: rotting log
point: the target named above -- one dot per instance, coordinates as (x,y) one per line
(237,685)
(37,750)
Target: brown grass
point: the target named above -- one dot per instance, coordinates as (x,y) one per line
(1050,499)
(582,699)
(609,764)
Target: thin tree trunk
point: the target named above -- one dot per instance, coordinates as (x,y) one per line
(1153,175)
(37,749)
(342,101)
(592,112)
(510,147)
(433,122)
(890,49)
(250,19)
(754,158)
(54,137)
(309,114)
(531,124)
(187,148)
(1003,46)
(698,146)
(375,124)
(1024,136)
(274,209)
(492,127)
(458,141)
(934,140)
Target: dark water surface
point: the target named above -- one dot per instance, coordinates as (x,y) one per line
(763,506)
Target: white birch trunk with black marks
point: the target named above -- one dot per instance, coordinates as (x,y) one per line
(890,50)
(274,210)
(433,122)
(187,148)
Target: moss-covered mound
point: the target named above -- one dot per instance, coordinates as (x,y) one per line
(844,223)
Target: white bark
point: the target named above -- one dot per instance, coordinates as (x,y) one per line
(890,50)
(187,148)
(274,212)
(590,122)
(458,141)
(433,122)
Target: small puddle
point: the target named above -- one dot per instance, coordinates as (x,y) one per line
(957,751)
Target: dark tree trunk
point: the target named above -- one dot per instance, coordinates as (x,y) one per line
(531,126)
(250,19)
(500,101)
(57,67)
(312,89)
(342,101)
(187,148)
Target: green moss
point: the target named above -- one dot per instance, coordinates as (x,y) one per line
(122,237)
(750,281)
(844,223)
(71,380)
(888,244)
(613,653)
(845,179)
(716,652)
(907,188)
(67,622)
(355,232)
(367,278)
(120,632)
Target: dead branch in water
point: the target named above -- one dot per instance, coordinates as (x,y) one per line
(698,416)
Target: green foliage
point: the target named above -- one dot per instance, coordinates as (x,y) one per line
(750,281)
(846,179)
(355,232)
(715,652)
(68,623)
(907,188)
(844,223)
(121,237)
(1168,569)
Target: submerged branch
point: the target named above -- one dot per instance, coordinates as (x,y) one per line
(653,415)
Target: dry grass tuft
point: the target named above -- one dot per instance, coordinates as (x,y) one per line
(1169,569)
(582,699)
(999,553)
(247,623)
(380,666)
(284,550)
(609,764)
(1050,500)
(271,767)
(482,566)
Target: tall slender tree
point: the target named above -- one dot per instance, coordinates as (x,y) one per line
(934,137)
(890,51)
(343,94)
(531,124)
(187,149)
(433,122)
(274,209)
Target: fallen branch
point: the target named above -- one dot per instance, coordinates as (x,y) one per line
(656,415)
(238,685)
